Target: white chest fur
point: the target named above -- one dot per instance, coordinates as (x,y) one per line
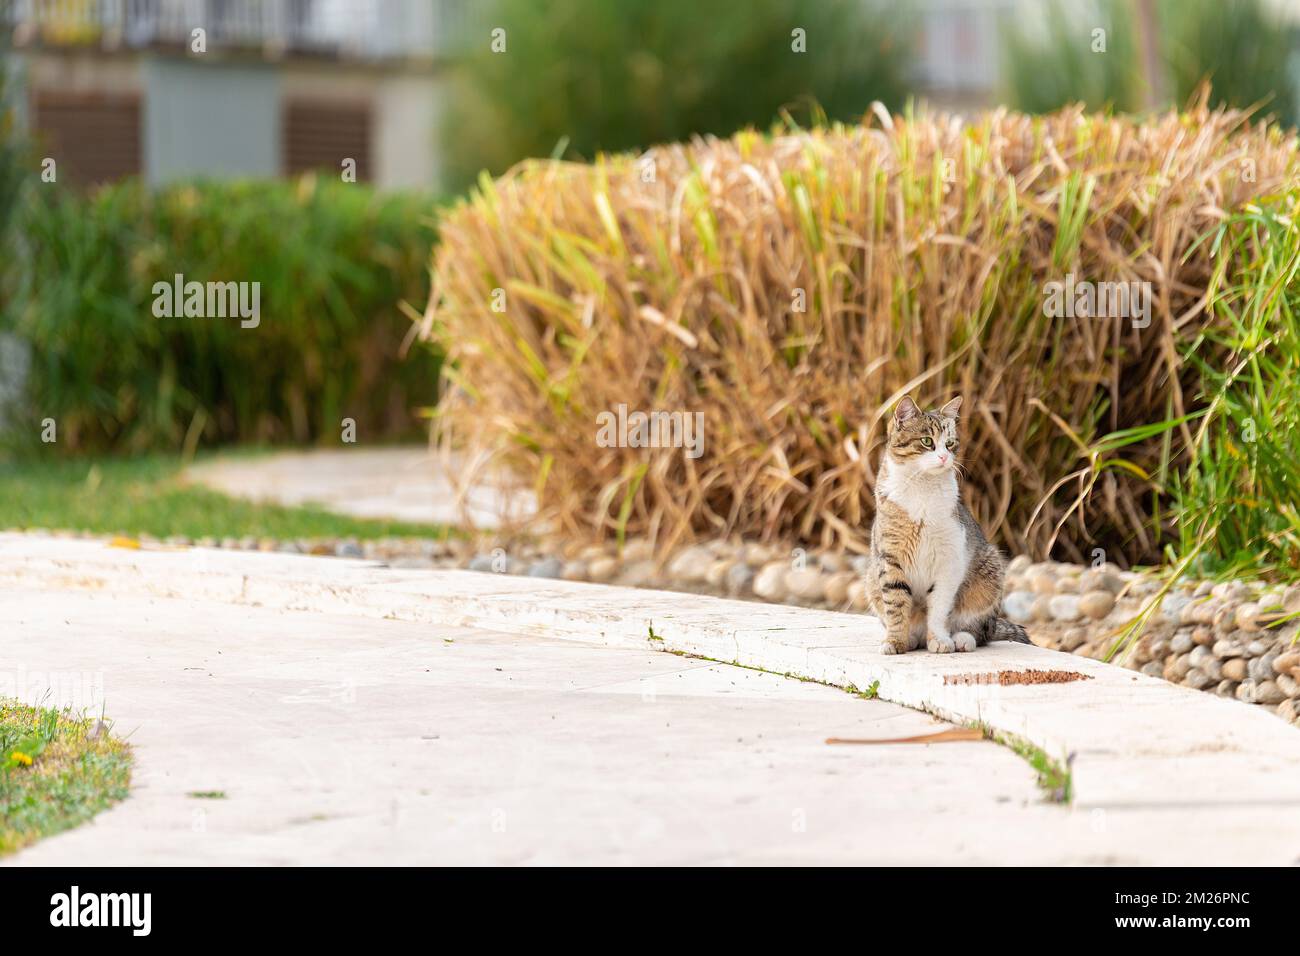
(941,552)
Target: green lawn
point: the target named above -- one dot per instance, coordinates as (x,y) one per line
(146,496)
(56,771)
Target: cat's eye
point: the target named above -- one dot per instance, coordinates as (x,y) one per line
(927,442)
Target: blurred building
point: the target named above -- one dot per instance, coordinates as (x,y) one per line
(171,89)
(116,87)
(959,48)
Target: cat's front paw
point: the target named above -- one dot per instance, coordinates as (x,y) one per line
(964,641)
(940,644)
(894,646)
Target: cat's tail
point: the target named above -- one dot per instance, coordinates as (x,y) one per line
(1003,630)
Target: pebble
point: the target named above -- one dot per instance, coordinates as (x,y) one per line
(1246,691)
(1261,668)
(1019,606)
(1065,607)
(1225,648)
(1101,579)
(1173,604)
(1201,612)
(717,573)
(1143,589)
(1287,711)
(806,584)
(1073,638)
(602,570)
(575,571)
(1268,693)
(1176,668)
(348,549)
(638,574)
(1181,642)
(1291,599)
(720,548)
(769,583)
(1042,609)
(1203,660)
(481,562)
(637,550)
(691,565)
(1247,616)
(1041,582)
(1234,669)
(1230,591)
(831,562)
(858,595)
(837,586)
(550,567)
(740,580)
(1287,663)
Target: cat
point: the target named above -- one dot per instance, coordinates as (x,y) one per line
(933,577)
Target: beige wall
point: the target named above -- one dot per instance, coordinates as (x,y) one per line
(404,107)
(75,72)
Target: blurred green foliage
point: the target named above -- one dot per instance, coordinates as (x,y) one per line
(334,260)
(1243,48)
(13,167)
(150,495)
(1052,62)
(581,76)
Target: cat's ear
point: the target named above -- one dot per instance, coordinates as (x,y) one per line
(906,409)
(950,410)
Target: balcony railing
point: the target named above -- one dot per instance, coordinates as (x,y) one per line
(351,29)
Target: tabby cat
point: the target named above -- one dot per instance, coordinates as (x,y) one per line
(933,576)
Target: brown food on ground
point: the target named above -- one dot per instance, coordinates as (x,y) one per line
(1017,677)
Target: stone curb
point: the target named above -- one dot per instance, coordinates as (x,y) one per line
(1131,740)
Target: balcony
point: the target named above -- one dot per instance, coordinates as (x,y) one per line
(364,30)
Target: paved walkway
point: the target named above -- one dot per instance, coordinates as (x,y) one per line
(347,740)
(349,715)
(407,484)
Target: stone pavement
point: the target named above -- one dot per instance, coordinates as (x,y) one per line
(353,713)
(346,740)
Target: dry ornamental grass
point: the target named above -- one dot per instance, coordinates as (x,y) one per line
(792,287)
